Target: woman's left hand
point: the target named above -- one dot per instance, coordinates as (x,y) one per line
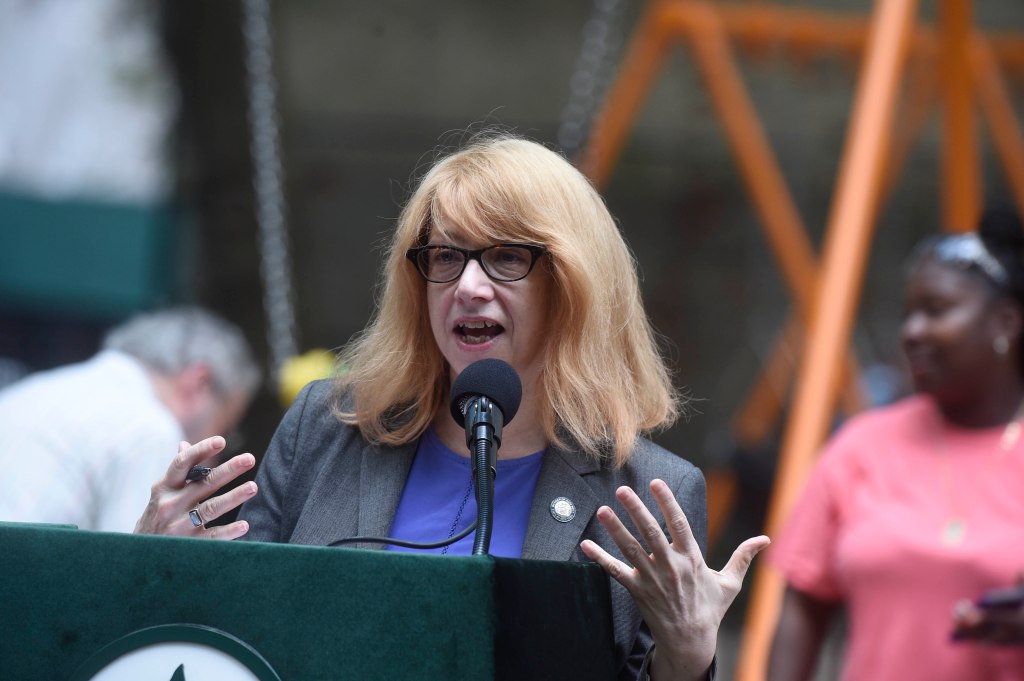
(682,600)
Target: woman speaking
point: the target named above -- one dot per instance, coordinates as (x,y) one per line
(504,251)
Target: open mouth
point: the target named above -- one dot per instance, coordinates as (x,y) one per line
(475,333)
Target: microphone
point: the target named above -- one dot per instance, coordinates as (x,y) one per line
(490,379)
(485,396)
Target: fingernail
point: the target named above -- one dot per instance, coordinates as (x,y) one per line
(248,460)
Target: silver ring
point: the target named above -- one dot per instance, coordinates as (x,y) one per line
(197,520)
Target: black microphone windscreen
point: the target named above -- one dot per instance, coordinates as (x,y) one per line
(490,378)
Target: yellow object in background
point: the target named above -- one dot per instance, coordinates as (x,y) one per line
(297,371)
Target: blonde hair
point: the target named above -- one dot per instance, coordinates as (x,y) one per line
(603,381)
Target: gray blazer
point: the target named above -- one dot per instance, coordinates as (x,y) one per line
(320,481)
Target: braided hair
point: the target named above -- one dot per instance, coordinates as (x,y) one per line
(1002,234)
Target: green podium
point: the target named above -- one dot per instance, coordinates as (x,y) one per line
(310,612)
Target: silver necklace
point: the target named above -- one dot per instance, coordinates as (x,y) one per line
(458,515)
(954,529)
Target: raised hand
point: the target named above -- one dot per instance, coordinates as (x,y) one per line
(682,600)
(176,504)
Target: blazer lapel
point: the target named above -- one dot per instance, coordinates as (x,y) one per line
(382,479)
(353,498)
(561,475)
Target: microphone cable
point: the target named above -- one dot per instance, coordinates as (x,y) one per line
(404,543)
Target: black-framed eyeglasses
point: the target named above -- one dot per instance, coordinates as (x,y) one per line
(500,262)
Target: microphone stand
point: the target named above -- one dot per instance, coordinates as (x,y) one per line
(483,437)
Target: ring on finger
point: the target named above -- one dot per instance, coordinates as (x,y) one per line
(197,520)
(197,473)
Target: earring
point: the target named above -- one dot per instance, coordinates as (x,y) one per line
(1001,344)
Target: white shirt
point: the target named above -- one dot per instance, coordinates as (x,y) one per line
(83,444)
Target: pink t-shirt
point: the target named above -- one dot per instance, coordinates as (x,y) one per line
(872,530)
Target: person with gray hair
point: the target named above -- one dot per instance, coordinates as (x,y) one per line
(78,443)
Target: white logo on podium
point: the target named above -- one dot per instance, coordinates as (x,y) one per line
(177,652)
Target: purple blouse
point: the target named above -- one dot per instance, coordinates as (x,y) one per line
(438,500)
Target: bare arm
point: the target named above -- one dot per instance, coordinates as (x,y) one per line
(799,634)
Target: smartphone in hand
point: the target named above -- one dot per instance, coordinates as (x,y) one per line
(1009,597)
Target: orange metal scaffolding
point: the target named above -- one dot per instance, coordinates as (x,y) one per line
(958,69)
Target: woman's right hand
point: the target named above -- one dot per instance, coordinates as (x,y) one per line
(172,498)
(999,618)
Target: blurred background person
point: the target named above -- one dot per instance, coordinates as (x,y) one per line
(81,444)
(916,506)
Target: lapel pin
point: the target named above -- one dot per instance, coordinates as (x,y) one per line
(563,510)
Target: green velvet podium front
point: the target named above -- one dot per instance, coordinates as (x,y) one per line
(312,613)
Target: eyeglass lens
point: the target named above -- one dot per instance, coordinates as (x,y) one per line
(504,263)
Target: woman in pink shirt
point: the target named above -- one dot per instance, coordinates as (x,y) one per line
(916,511)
